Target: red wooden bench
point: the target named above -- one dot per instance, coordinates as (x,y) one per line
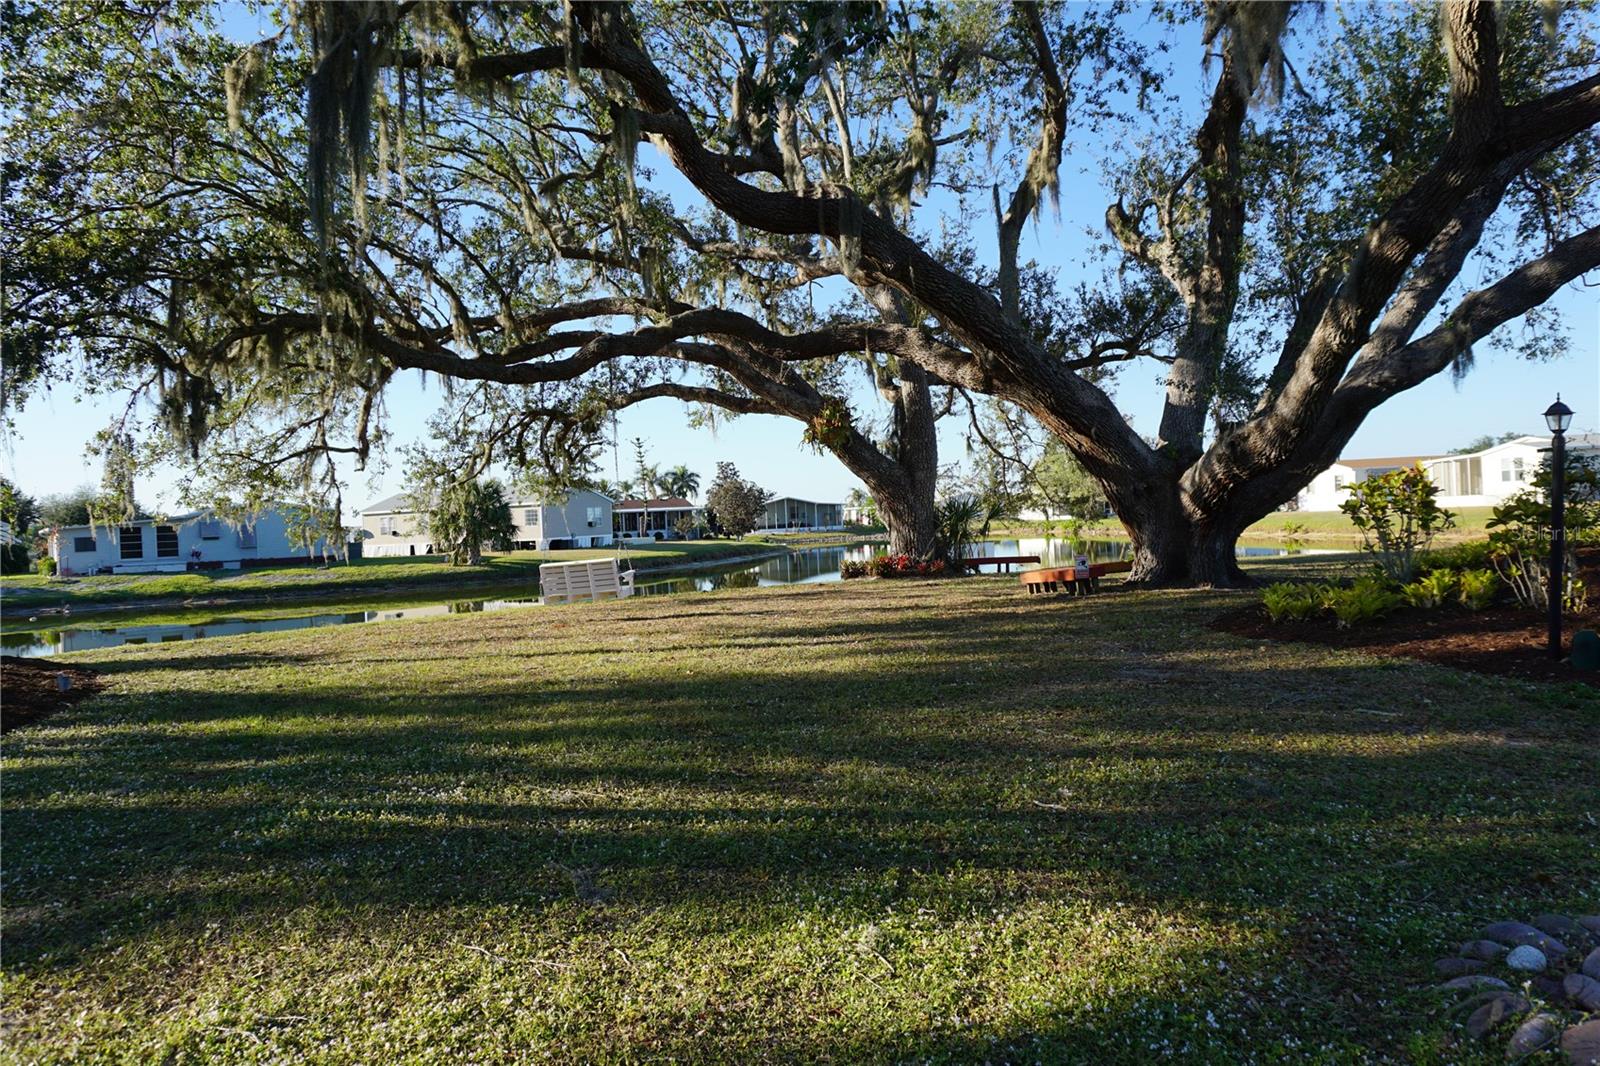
(1073,580)
(998,560)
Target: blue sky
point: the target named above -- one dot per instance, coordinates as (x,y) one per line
(46,451)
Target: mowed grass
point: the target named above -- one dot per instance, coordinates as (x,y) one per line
(874,821)
(33,590)
(1323,528)
(1470,524)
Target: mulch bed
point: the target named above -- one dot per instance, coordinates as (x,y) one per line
(30,689)
(1505,640)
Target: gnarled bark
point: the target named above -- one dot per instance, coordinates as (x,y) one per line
(1183,503)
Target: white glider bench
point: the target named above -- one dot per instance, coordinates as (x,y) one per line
(587,579)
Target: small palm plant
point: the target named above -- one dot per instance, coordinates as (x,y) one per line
(962,521)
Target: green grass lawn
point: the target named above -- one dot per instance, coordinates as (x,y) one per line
(1315,525)
(826,539)
(32,590)
(873,821)
(1325,528)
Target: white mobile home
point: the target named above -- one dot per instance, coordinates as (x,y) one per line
(198,540)
(1493,475)
(583,520)
(1332,487)
(790,515)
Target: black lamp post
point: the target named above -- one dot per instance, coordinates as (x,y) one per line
(1558,417)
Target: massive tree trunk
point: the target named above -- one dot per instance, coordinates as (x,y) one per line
(1182,552)
(901,475)
(905,502)
(910,520)
(1173,544)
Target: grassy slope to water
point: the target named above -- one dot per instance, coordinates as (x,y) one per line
(1470,524)
(864,822)
(30,590)
(1330,527)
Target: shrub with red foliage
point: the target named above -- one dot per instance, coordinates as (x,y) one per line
(903,566)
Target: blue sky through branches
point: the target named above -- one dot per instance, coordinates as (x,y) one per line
(45,453)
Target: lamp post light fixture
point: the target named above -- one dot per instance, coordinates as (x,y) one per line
(1558,416)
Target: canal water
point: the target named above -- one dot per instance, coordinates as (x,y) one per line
(109,629)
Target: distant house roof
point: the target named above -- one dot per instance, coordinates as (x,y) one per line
(1387,461)
(144,520)
(663,503)
(389,505)
(400,503)
(797,499)
(1575,442)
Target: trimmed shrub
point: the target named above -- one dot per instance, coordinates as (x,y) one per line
(1431,590)
(14,559)
(1474,555)
(1288,601)
(45,565)
(1476,589)
(1365,601)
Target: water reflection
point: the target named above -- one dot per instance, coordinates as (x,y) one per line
(797,568)
(83,638)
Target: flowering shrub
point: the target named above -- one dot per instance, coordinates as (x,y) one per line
(1398,516)
(902,566)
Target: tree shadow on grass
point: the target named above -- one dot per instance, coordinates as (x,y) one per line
(762,758)
(727,785)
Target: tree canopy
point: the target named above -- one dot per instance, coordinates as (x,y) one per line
(832,207)
(468,516)
(734,505)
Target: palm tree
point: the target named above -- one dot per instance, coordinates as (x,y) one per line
(965,520)
(649,482)
(680,481)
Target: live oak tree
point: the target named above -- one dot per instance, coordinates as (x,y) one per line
(476,207)
(272,328)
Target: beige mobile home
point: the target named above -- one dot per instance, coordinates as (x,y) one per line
(583,520)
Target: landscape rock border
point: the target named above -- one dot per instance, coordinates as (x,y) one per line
(1540,980)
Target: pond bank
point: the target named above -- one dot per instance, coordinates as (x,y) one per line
(163,623)
(389,578)
(80,631)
